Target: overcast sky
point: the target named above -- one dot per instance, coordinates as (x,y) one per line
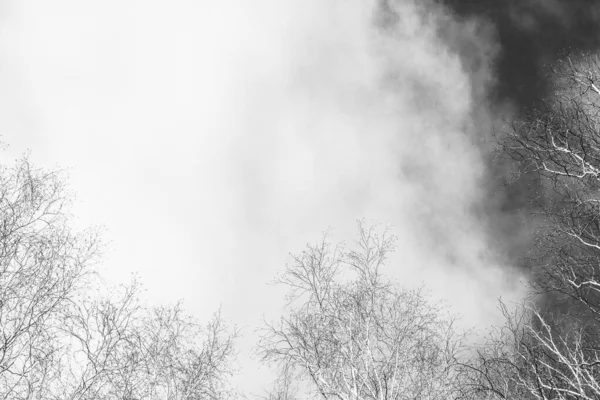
(211,138)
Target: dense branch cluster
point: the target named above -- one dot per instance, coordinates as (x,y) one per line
(63,337)
(352,333)
(550,349)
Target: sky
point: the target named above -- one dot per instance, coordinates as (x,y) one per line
(211,139)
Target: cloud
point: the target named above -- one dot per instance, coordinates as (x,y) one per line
(214,138)
(531,33)
(378,122)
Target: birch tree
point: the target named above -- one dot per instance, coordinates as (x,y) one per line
(119,348)
(535,355)
(43,265)
(549,348)
(353,333)
(66,335)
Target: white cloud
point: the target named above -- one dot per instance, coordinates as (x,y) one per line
(211,138)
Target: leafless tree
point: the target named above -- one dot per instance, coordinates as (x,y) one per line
(122,349)
(43,264)
(352,333)
(65,335)
(535,355)
(550,347)
(560,143)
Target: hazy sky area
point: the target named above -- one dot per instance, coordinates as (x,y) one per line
(212,138)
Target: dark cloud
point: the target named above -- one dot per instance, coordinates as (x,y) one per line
(519,37)
(530,34)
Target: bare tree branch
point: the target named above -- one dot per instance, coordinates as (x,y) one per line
(351,333)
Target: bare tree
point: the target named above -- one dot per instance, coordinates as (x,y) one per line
(62,337)
(558,143)
(352,333)
(42,266)
(535,356)
(550,347)
(122,349)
